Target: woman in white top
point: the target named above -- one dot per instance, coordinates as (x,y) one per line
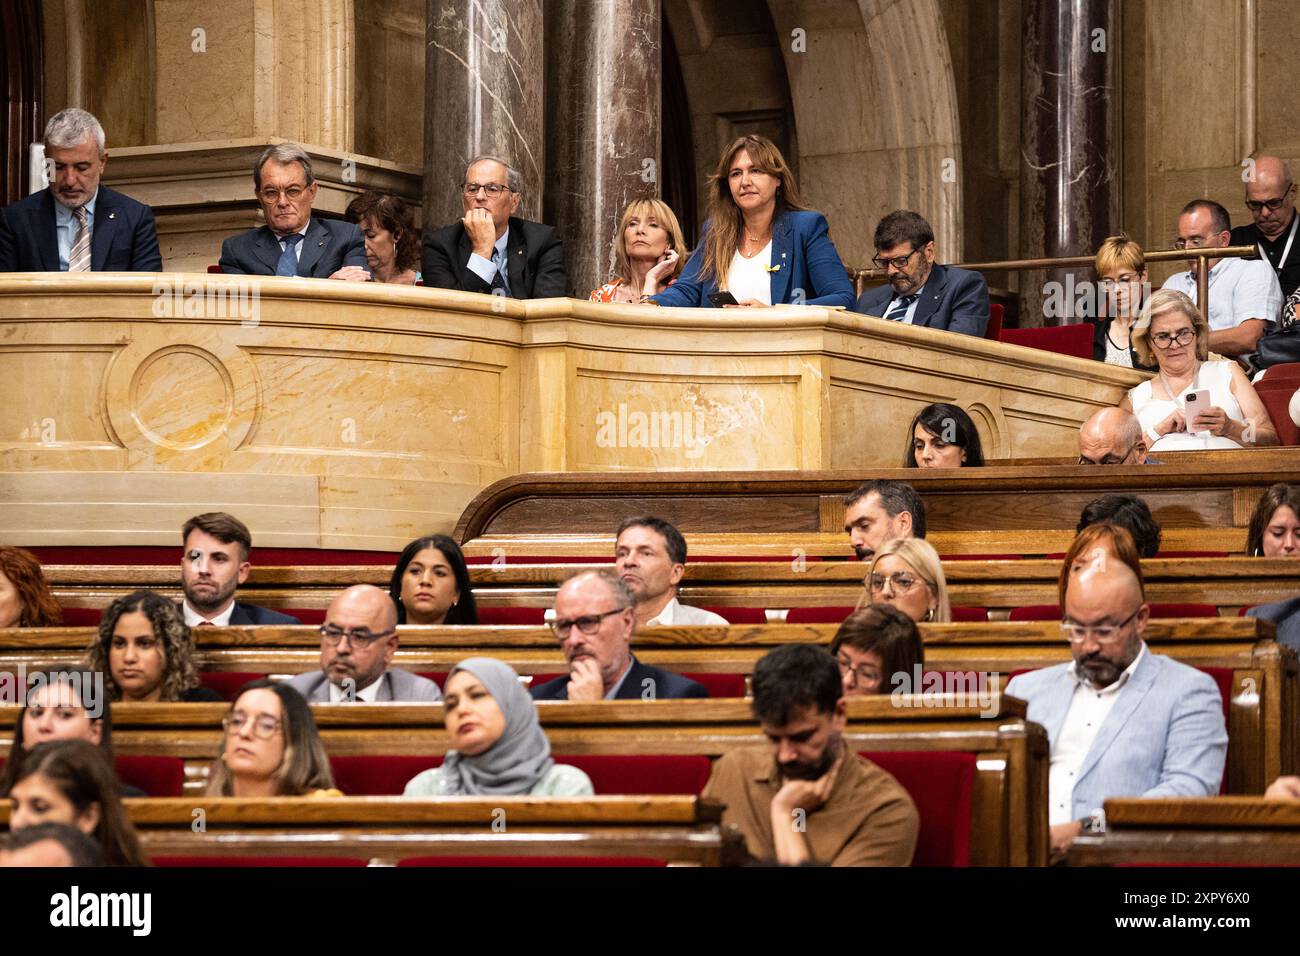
(1172,333)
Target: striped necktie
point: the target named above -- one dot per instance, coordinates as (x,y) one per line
(79,257)
(898,309)
(288,264)
(499,281)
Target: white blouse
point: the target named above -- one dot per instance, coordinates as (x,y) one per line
(1215,376)
(749,278)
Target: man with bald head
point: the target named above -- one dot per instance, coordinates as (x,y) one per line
(1113,436)
(357,644)
(1270,197)
(595,617)
(1122,721)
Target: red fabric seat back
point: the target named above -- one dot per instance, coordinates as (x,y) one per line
(1073,340)
(82,616)
(227,683)
(306,615)
(1052,612)
(817,615)
(506,616)
(159,554)
(156,776)
(994,329)
(964,615)
(1277,401)
(378,776)
(654,774)
(1286,372)
(251,861)
(941,784)
(513,861)
(741,615)
(215,270)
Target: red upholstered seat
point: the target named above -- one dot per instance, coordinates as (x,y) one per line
(1242,611)
(655,774)
(307,615)
(215,270)
(539,559)
(741,615)
(718,685)
(156,776)
(502,616)
(82,616)
(1276,396)
(1073,340)
(817,615)
(531,861)
(982,557)
(963,615)
(438,677)
(251,861)
(940,784)
(1286,372)
(226,683)
(378,776)
(994,329)
(1189,554)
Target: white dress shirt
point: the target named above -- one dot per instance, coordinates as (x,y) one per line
(911,306)
(65,227)
(749,278)
(1240,289)
(675,612)
(193,618)
(1088,709)
(366,695)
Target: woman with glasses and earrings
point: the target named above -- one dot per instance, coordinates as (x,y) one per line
(875,645)
(760,245)
(906,573)
(1172,333)
(271,747)
(430,584)
(498,747)
(1122,272)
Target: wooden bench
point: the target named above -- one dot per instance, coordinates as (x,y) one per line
(1219,831)
(1009,795)
(387,830)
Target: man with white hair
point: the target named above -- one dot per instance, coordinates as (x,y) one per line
(74,224)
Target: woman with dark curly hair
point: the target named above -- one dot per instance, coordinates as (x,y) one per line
(430,584)
(145,651)
(392,243)
(25,598)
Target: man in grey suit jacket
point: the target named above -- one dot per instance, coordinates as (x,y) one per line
(919,291)
(358,641)
(1122,721)
(293,242)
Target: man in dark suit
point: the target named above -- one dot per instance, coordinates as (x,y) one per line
(75,224)
(293,242)
(469,255)
(214,564)
(919,291)
(594,619)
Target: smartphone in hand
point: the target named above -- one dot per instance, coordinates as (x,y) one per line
(1194,404)
(719,299)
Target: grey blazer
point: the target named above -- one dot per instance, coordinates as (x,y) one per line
(395,685)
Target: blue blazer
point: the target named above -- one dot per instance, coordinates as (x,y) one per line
(803,257)
(251,614)
(123,239)
(953,299)
(330,244)
(1164,736)
(663,685)
(1286,615)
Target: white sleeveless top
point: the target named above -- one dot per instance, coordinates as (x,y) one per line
(749,278)
(1215,376)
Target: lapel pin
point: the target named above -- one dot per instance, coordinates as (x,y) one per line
(112,215)
(321,242)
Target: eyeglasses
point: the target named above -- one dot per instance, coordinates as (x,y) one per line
(1104,634)
(264,725)
(1196,242)
(493,189)
(898,262)
(1163,340)
(360,637)
(862,676)
(293,193)
(1111,459)
(587,624)
(901,581)
(1255,205)
(1110,282)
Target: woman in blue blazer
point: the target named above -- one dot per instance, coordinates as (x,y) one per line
(760,242)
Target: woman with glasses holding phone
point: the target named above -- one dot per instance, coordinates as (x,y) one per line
(1226,410)
(271,747)
(906,573)
(498,747)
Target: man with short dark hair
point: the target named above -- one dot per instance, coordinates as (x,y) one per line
(214,564)
(650,557)
(1245,298)
(293,242)
(1129,512)
(357,643)
(594,621)
(879,511)
(50,844)
(1113,436)
(806,798)
(1270,197)
(919,291)
(491,249)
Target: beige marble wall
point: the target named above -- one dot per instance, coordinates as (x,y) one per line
(358,416)
(390,69)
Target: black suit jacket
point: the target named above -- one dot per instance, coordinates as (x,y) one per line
(251,614)
(122,239)
(953,299)
(665,685)
(330,244)
(535,269)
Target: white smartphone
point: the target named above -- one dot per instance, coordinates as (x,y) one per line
(1195,403)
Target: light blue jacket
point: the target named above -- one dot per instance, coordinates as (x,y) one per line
(1164,736)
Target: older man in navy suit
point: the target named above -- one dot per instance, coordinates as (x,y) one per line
(920,291)
(75,224)
(293,242)
(595,617)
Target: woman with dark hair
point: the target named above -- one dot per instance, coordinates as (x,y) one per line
(874,645)
(760,243)
(25,598)
(146,652)
(430,584)
(271,747)
(69,781)
(392,243)
(943,436)
(1274,530)
(1129,512)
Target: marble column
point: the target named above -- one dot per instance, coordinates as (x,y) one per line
(1070,112)
(603,141)
(484,93)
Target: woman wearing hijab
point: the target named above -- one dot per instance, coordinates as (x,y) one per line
(498,746)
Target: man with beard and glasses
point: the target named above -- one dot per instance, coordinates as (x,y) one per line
(215,563)
(880,511)
(806,799)
(357,643)
(1122,722)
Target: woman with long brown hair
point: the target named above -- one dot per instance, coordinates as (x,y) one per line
(761,244)
(25,598)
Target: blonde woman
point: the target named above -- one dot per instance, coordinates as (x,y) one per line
(649,253)
(906,573)
(1122,270)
